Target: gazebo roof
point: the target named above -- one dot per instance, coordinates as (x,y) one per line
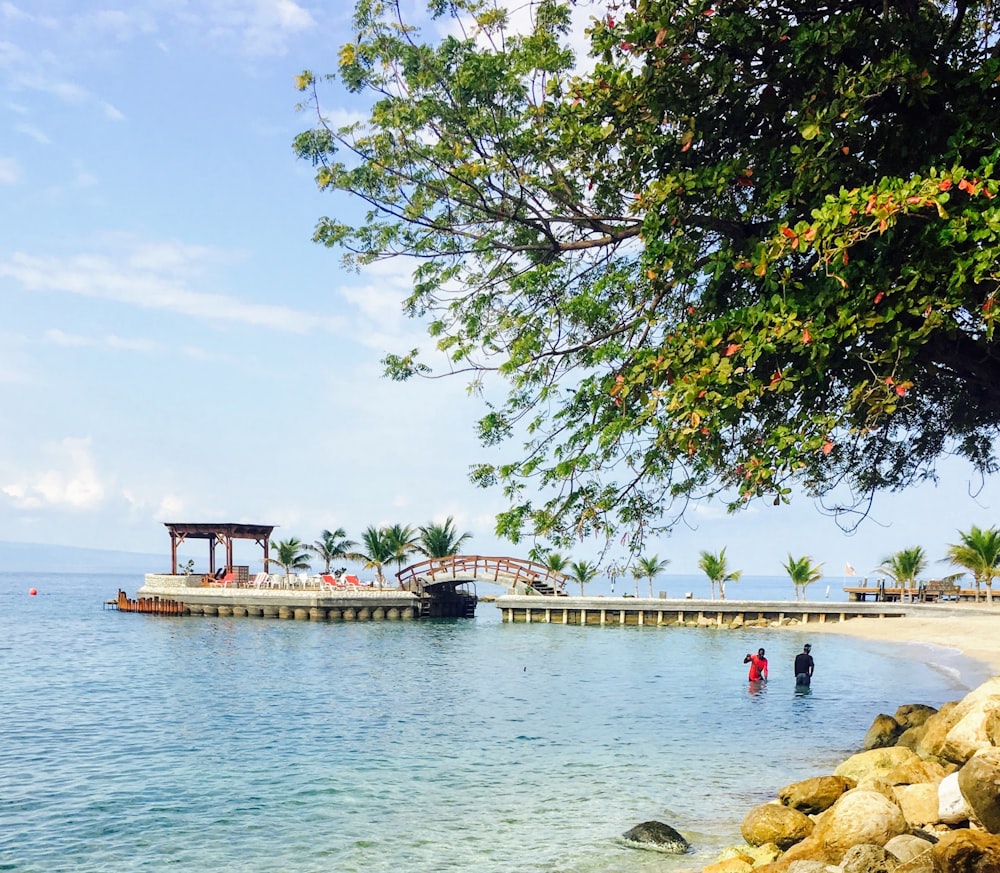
(212,530)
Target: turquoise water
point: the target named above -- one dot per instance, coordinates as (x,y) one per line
(136,743)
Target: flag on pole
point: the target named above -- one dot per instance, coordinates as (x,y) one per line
(849,570)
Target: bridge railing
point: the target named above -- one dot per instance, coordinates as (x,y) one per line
(482,568)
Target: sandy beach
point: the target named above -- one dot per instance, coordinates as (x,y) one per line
(976,635)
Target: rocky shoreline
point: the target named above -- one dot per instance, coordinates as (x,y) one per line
(923,796)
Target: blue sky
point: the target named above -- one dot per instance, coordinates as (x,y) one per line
(173,346)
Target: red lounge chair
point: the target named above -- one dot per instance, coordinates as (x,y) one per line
(353,581)
(330,580)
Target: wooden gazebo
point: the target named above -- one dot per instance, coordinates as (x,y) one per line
(218,534)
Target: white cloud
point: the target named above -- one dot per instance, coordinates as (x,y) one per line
(160,276)
(33,132)
(10,171)
(72,483)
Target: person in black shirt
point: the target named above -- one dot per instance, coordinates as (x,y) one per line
(804,666)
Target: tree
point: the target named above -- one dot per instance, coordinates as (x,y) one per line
(716,568)
(649,568)
(441,540)
(904,566)
(291,554)
(330,546)
(402,540)
(614,570)
(803,572)
(377,548)
(582,572)
(979,553)
(752,244)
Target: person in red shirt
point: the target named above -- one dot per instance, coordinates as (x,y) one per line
(758,666)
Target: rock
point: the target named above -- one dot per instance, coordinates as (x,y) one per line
(959,729)
(913,715)
(966,851)
(811,867)
(936,729)
(860,816)
(874,764)
(658,837)
(908,848)
(919,803)
(811,796)
(918,770)
(885,730)
(868,858)
(774,823)
(952,806)
(911,737)
(979,782)
(729,865)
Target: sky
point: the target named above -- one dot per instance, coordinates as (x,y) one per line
(175,348)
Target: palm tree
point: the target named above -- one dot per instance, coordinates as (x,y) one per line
(330,546)
(582,572)
(979,553)
(402,539)
(555,562)
(649,568)
(803,572)
(714,566)
(376,550)
(904,566)
(441,540)
(291,555)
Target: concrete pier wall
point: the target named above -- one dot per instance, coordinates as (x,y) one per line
(682,613)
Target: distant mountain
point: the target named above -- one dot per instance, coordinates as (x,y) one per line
(40,558)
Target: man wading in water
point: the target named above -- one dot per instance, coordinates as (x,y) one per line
(758,666)
(804,666)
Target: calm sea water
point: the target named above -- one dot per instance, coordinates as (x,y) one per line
(135,743)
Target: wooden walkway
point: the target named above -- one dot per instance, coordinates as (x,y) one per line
(516,574)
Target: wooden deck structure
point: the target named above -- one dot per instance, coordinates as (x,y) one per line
(219,534)
(935,591)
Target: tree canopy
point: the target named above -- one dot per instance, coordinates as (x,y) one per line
(743,245)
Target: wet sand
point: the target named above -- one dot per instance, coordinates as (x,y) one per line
(975,634)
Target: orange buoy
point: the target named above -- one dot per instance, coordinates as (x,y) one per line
(32,591)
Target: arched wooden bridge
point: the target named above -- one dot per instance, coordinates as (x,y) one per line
(518,575)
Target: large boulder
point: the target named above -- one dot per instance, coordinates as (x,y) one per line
(952,805)
(913,851)
(774,823)
(919,803)
(967,851)
(935,729)
(658,837)
(913,715)
(868,858)
(872,765)
(915,770)
(966,728)
(979,782)
(811,796)
(885,730)
(860,816)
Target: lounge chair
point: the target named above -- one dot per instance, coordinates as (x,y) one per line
(328,580)
(262,580)
(353,582)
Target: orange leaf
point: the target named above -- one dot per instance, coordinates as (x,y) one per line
(878,298)
(827,447)
(806,336)
(732,349)
(900,390)
(788,232)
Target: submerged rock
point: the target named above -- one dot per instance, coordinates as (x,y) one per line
(658,837)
